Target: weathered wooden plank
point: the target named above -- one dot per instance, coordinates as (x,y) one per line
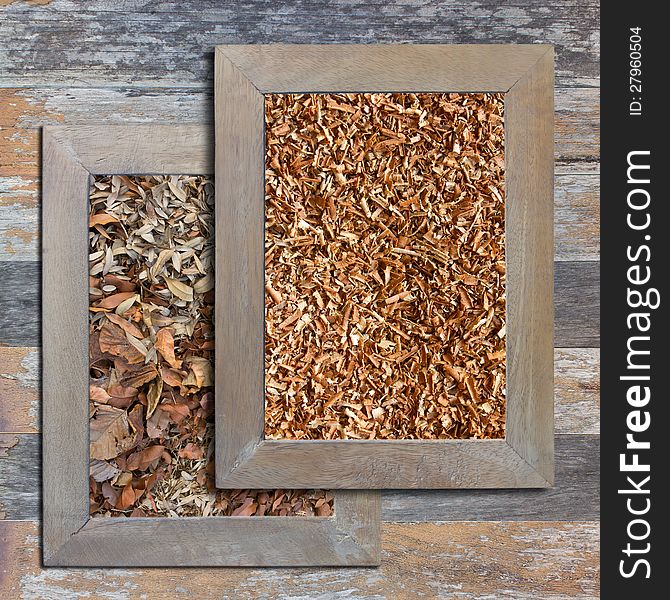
(20,304)
(575,496)
(577,130)
(19,389)
(577,305)
(576,378)
(562,561)
(19,145)
(98,43)
(577,390)
(23,111)
(506,561)
(577,217)
(576,302)
(576,117)
(19,219)
(19,476)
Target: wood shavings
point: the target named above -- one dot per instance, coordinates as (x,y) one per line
(385,266)
(151,352)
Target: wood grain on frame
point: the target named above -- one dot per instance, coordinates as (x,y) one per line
(529,241)
(525,457)
(240,266)
(345,539)
(65,451)
(70,536)
(293,68)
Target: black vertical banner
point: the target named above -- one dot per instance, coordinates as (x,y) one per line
(635,349)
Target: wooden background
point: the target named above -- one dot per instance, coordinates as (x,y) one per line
(63,61)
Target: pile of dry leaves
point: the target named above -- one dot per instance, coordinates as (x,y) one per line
(151,351)
(385,266)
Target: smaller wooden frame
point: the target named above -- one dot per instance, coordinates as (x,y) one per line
(70,537)
(525,74)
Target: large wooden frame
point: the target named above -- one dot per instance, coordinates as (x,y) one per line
(70,537)
(243,74)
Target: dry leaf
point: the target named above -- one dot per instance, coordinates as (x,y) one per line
(139,461)
(101,219)
(124,479)
(113,340)
(165,345)
(98,394)
(139,346)
(139,377)
(120,391)
(136,421)
(127,326)
(172,377)
(110,493)
(179,289)
(178,412)
(247,509)
(127,497)
(109,433)
(202,373)
(153,396)
(157,424)
(101,470)
(204,285)
(126,304)
(181,195)
(115,299)
(192,452)
(122,285)
(163,257)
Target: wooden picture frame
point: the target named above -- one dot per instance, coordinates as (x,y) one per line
(243,74)
(70,537)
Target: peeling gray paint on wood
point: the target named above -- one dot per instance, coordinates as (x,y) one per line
(20,481)
(19,389)
(19,230)
(577,130)
(19,303)
(104,43)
